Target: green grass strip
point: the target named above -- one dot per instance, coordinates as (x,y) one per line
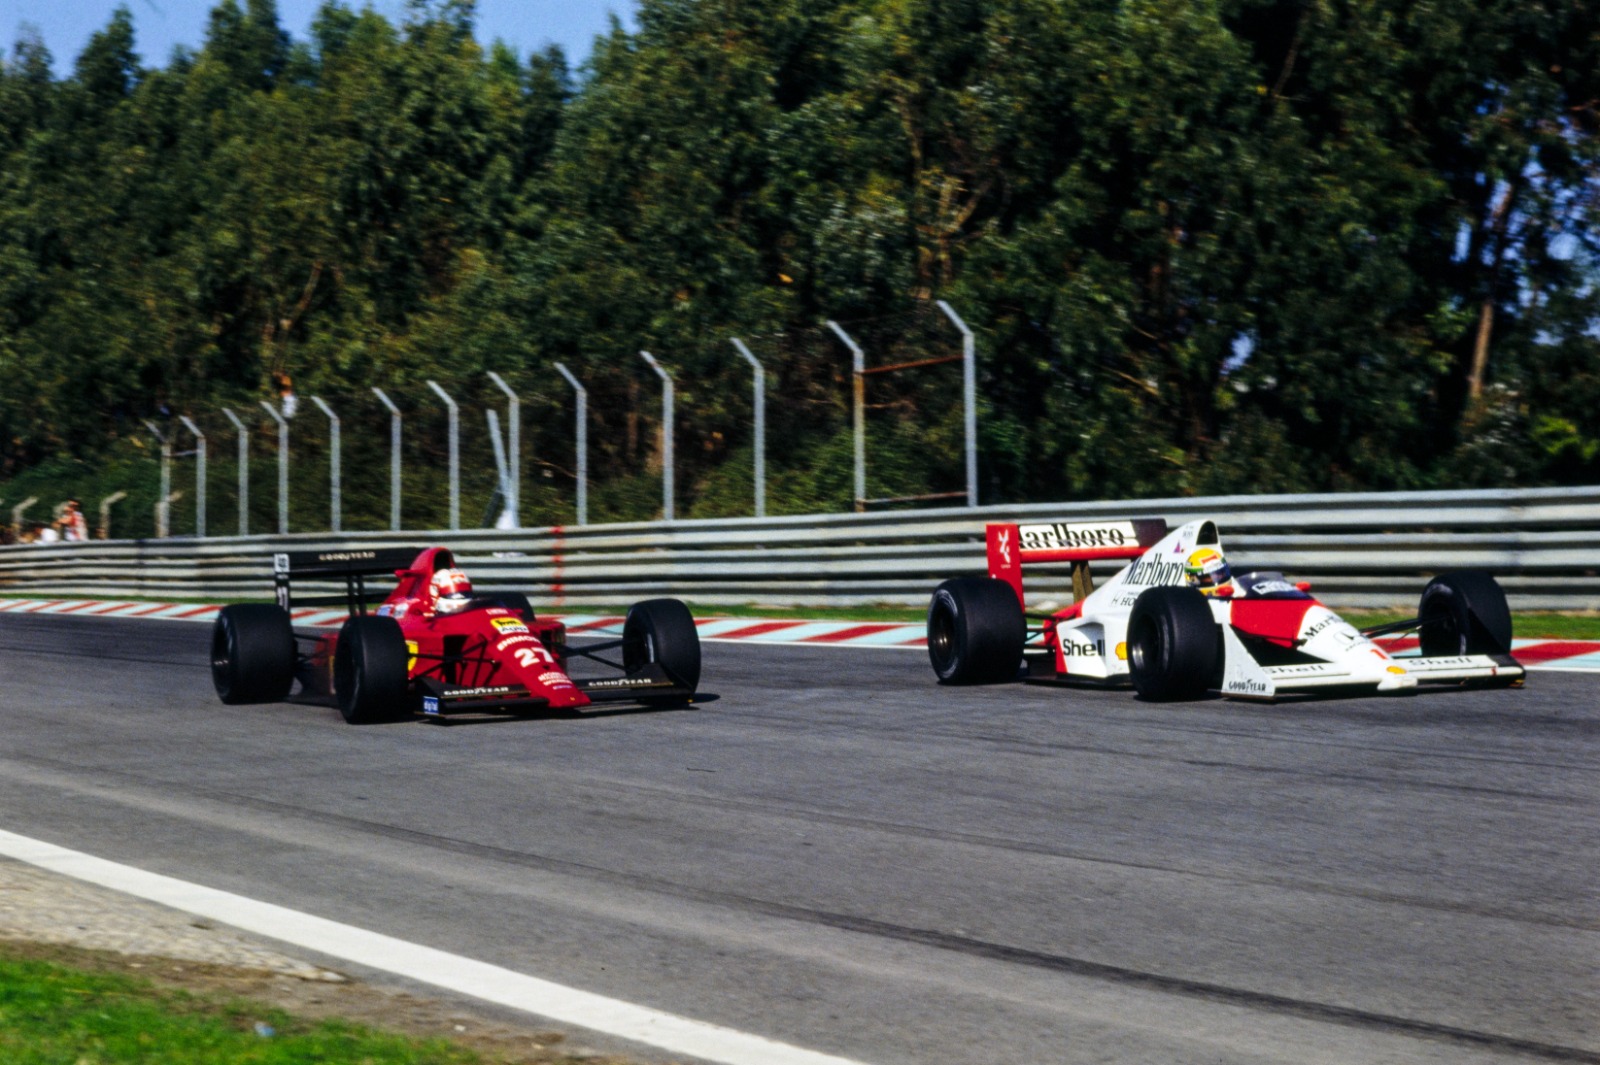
(54,1015)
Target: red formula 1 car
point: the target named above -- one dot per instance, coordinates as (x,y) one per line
(434,647)
(1177,622)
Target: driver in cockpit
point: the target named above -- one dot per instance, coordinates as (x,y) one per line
(1207,570)
(449,591)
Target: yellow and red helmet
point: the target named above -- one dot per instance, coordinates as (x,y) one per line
(1206,568)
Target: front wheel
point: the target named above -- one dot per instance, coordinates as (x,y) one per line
(975,631)
(662,631)
(252,654)
(1464,614)
(1173,644)
(370,681)
(518,602)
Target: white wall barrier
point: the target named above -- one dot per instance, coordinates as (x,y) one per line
(1359,549)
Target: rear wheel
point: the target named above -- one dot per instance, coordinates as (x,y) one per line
(370,682)
(662,631)
(975,631)
(1464,614)
(252,653)
(1173,644)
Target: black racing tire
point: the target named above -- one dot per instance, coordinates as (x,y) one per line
(1174,645)
(252,653)
(518,602)
(663,631)
(370,681)
(975,631)
(1464,614)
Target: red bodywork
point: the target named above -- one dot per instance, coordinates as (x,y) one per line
(487,656)
(1277,621)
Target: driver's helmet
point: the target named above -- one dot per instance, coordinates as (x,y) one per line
(451,590)
(1207,569)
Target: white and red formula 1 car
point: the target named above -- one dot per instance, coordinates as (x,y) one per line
(1178,622)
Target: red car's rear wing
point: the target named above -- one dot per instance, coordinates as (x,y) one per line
(350,566)
(1076,542)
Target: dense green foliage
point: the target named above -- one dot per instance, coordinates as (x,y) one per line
(1208,245)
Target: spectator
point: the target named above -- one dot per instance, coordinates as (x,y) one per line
(74,526)
(285,388)
(47,534)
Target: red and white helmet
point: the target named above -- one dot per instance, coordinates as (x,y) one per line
(451,590)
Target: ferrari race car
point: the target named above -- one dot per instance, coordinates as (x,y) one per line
(436,653)
(1177,622)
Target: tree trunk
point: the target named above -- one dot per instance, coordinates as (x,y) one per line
(1480,348)
(1499,228)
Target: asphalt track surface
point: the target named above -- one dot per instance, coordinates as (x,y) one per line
(832,851)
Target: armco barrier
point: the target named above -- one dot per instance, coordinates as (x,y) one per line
(1359,549)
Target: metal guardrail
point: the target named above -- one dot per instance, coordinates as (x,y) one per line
(1358,549)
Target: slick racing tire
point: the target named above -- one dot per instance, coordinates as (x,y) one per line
(518,602)
(252,654)
(662,631)
(1464,614)
(975,631)
(370,681)
(1174,645)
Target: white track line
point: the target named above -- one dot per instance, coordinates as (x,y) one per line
(504,987)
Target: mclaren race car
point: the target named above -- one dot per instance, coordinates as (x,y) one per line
(1178,622)
(434,647)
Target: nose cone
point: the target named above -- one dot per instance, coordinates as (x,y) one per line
(522,658)
(562,693)
(540,672)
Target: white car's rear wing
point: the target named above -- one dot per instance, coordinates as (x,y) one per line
(1011,546)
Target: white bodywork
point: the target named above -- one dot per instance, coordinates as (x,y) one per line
(1092,646)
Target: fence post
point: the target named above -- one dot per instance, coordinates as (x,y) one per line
(333,461)
(283,466)
(502,474)
(244,472)
(666,435)
(760,395)
(16,515)
(163,515)
(858,371)
(105,513)
(581,442)
(513,450)
(455,456)
(969,398)
(199,476)
(394,459)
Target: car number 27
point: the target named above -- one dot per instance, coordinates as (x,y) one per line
(533,656)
